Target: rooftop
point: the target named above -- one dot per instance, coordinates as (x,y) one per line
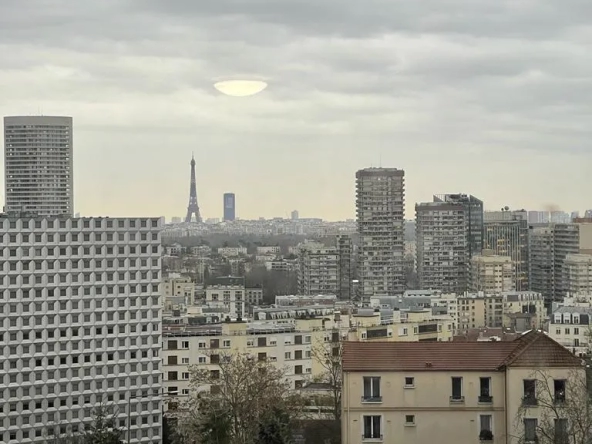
(530,350)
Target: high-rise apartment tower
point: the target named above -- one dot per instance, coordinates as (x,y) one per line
(38,165)
(449,231)
(380,209)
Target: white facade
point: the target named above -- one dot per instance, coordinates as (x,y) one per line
(570,326)
(230,297)
(38,165)
(80,325)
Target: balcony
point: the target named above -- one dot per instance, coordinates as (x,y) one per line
(530,401)
(371,399)
(485,399)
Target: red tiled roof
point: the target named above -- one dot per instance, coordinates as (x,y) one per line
(531,349)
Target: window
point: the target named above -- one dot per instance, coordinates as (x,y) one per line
(485,390)
(485,428)
(530,430)
(457,390)
(529,392)
(371,389)
(409,420)
(559,387)
(372,427)
(561,433)
(409,382)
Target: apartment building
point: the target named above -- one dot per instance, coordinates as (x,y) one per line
(286,345)
(380,210)
(523,310)
(175,285)
(318,269)
(549,248)
(81,325)
(459,392)
(228,292)
(38,165)
(506,234)
(571,327)
(491,273)
(345,252)
(577,271)
(449,231)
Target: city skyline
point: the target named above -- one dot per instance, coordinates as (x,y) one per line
(499,109)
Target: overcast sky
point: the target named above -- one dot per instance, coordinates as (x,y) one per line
(488,97)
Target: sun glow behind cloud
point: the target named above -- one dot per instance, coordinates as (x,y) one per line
(240,88)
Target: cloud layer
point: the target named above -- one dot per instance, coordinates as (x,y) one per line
(488,98)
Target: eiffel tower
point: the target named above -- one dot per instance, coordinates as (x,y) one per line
(193,207)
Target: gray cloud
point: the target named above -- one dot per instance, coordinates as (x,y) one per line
(431,85)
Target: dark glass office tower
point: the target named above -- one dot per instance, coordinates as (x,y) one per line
(229,206)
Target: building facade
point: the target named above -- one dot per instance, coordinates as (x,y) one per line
(461,392)
(228,293)
(81,326)
(449,231)
(380,209)
(491,273)
(577,271)
(318,269)
(506,234)
(229,207)
(38,170)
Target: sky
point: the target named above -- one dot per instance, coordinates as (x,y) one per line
(490,98)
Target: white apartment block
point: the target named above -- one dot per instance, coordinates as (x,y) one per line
(38,169)
(491,273)
(571,327)
(80,318)
(577,270)
(380,209)
(231,251)
(285,345)
(228,295)
(269,250)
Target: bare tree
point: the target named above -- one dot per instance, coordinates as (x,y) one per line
(240,392)
(564,414)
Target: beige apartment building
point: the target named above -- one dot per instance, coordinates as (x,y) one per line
(491,273)
(459,392)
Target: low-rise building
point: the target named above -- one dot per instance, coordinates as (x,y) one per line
(571,327)
(458,392)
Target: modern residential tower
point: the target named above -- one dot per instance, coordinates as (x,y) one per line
(380,207)
(449,231)
(38,165)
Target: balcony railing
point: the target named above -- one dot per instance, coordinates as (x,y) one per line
(485,399)
(371,399)
(530,401)
(371,437)
(456,399)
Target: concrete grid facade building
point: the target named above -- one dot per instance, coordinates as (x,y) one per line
(38,165)
(449,231)
(380,208)
(578,273)
(80,318)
